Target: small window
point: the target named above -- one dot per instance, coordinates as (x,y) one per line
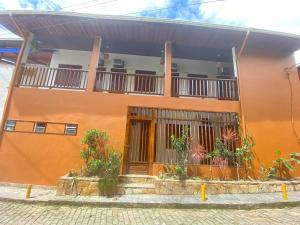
(71,129)
(10,125)
(39,127)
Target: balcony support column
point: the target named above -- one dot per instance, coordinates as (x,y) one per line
(94,63)
(240,84)
(21,59)
(168,68)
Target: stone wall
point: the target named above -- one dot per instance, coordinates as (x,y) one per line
(89,186)
(189,187)
(78,186)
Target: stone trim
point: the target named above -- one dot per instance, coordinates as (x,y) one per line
(88,186)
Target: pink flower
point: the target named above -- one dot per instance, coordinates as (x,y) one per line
(198,152)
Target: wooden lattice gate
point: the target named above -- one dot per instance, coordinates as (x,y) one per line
(149,133)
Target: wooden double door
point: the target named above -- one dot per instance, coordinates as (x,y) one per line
(139,147)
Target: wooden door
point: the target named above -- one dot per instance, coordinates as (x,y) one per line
(138,146)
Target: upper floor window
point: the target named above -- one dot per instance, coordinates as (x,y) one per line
(10,125)
(40,127)
(71,129)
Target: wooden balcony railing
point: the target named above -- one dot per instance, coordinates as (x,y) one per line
(115,82)
(129,83)
(46,77)
(223,89)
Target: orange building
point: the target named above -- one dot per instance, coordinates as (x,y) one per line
(142,80)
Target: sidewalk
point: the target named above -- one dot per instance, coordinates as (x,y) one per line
(228,201)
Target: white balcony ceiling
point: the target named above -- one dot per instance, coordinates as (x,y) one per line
(73,30)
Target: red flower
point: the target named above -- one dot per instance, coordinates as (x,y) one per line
(230,135)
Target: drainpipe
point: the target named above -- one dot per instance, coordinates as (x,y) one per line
(288,73)
(242,109)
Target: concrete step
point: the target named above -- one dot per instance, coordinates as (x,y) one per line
(136,178)
(138,168)
(136,188)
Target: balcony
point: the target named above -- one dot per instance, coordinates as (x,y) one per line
(129,83)
(47,77)
(222,89)
(125,83)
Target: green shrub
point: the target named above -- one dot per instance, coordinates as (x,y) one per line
(100,159)
(180,171)
(281,167)
(94,167)
(72,173)
(94,145)
(110,172)
(181,145)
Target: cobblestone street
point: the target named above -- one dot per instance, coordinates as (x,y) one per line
(19,213)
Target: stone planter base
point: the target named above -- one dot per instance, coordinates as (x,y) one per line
(85,186)
(190,187)
(140,184)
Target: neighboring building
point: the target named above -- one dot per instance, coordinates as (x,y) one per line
(6,71)
(142,80)
(6,67)
(9,49)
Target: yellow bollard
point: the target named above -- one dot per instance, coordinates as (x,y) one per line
(284,193)
(28,192)
(203,192)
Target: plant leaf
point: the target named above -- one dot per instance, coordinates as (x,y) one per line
(277,152)
(287,164)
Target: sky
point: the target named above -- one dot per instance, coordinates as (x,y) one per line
(277,15)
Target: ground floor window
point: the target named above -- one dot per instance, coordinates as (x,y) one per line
(10,125)
(40,127)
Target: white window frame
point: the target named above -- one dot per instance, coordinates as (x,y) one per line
(10,127)
(38,128)
(71,127)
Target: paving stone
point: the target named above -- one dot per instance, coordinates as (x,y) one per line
(22,213)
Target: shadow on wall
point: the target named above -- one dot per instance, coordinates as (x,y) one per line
(265,87)
(39,159)
(28,166)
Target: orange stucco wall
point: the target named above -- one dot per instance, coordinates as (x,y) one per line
(43,158)
(267,104)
